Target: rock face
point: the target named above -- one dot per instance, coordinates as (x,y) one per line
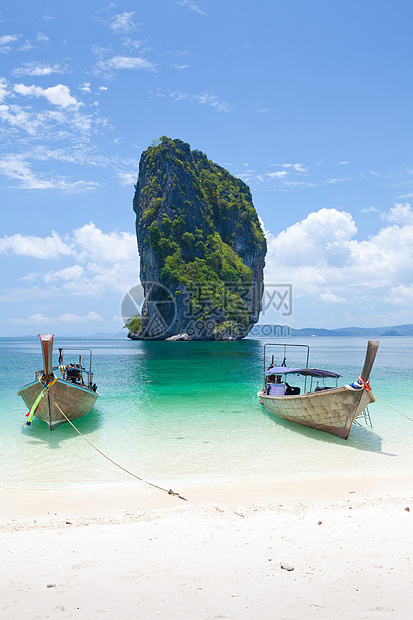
(201,247)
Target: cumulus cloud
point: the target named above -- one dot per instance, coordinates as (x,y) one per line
(100,263)
(324,262)
(400,213)
(36,247)
(57,95)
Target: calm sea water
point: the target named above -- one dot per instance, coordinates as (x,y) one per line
(189,412)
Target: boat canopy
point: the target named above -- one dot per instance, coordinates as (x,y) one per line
(315,372)
(282,370)
(305,372)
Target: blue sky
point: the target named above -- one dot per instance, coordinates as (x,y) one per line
(308,102)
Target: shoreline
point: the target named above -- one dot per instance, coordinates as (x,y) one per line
(26,503)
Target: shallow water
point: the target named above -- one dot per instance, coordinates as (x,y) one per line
(189,411)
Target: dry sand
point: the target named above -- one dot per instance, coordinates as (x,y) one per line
(269,550)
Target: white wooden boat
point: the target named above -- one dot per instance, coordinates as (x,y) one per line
(329,409)
(48,397)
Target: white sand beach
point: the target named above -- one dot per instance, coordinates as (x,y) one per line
(270,550)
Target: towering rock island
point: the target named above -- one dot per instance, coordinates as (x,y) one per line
(201,248)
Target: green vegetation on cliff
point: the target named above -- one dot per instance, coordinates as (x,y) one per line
(200,225)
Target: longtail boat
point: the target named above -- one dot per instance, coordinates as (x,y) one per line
(55,400)
(330,409)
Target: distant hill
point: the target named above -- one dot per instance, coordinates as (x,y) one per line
(363,332)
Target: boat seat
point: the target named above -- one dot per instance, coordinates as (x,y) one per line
(276,389)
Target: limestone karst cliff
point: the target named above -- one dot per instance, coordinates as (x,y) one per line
(201,247)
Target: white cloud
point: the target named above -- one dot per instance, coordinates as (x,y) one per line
(130,62)
(16,117)
(319,239)
(8,38)
(331,298)
(68,274)
(57,95)
(35,319)
(213,101)
(40,319)
(206,98)
(99,263)
(40,40)
(15,167)
(36,247)
(403,294)
(123,22)
(5,42)
(324,262)
(4,90)
(336,180)
(74,318)
(192,6)
(126,178)
(39,69)
(400,213)
(299,168)
(92,243)
(87,242)
(276,175)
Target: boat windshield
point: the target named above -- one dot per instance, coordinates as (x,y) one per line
(286,373)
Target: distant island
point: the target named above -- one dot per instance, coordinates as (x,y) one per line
(201,248)
(265,331)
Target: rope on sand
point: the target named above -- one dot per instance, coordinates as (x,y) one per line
(170,492)
(396,410)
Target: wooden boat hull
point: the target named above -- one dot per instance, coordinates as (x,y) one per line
(74,400)
(332,411)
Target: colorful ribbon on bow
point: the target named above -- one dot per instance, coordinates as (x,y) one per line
(30,415)
(365,384)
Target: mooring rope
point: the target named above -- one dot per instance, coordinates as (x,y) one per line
(396,410)
(170,492)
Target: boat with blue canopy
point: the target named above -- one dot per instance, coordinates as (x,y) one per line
(318,401)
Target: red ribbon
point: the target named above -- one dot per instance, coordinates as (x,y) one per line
(366,384)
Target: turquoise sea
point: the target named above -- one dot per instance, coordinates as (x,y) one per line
(189,411)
